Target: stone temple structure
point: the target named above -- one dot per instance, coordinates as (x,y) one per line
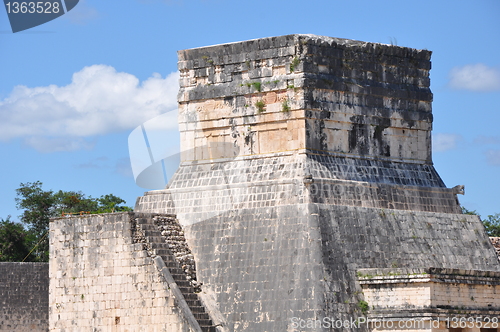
(306,200)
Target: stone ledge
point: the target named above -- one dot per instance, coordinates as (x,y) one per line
(390,275)
(430,313)
(427,292)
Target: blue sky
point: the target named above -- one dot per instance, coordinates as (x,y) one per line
(73,89)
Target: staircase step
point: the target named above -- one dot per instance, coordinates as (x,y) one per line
(172,266)
(194,303)
(152,232)
(161,252)
(191,297)
(183,284)
(185,289)
(204,322)
(143,221)
(160,245)
(177,272)
(208,328)
(161,248)
(199,310)
(155,239)
(148,227)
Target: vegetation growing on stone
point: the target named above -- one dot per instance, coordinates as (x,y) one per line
(363,305)
(257,85)
(294,64)
(261,106)
(284,106)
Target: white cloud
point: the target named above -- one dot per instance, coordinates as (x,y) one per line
(444,142)
(476,77)
(98,101)
(493,157)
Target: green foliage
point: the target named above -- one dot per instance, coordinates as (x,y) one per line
(111,203)
(363,305)
(491,223)
(207,59)
(294,64)
(361,275)
(15,242)
(39,206)
(261,106)
(284,106)
(73,202)
(470,212)
(257,85)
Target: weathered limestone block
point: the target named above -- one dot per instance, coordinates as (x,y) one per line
(347,97)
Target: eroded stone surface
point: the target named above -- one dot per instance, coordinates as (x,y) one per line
(305,158)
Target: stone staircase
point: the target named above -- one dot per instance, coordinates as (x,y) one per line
(148,231)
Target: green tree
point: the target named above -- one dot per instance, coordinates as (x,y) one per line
(492,224)
(74,202)
(111,203)
(15,242)
(39,206)
(471,212)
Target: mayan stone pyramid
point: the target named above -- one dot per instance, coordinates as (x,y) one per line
(306,163)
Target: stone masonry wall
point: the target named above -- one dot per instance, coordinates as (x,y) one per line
(24,297)
(440,291)
(305,158)
(200,191)
(366,99)
(360,111)
(268,264)
(295,92)
(101,281)
(294,261)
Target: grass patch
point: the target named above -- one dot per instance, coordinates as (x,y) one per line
(285,107)
(363,305)
(257,85)
(261,106)
(294,64)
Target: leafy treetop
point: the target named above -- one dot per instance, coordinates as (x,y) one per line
(39,206)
